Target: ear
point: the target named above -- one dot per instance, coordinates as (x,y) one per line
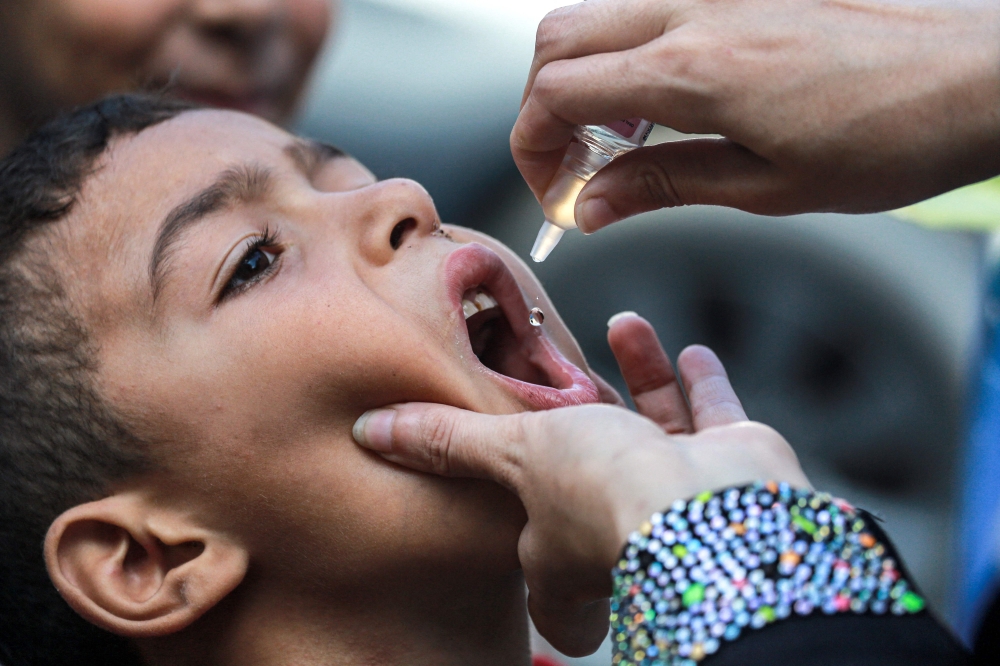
(138,569)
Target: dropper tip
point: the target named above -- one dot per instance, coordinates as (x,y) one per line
(548,237)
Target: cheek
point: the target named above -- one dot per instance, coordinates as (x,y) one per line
(372,519)
(309,20)
(316,354)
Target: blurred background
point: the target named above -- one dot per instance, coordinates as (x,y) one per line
(852,335)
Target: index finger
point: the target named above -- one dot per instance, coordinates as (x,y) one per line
(444,440)
(597,26)
(645,82)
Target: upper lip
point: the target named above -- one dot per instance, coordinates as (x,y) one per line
(473,265)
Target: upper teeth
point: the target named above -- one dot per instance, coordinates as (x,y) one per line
(477,301)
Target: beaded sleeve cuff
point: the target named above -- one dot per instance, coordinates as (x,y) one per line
(710,568)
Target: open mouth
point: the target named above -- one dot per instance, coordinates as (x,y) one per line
(506,346)
(494,342)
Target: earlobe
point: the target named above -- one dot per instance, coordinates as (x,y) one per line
(137,569)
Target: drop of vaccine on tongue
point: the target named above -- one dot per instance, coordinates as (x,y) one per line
(536,317)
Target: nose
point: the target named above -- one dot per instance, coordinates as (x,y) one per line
(395,212)
(239,23)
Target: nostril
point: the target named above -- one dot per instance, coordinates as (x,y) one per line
(236,35)
(401,231)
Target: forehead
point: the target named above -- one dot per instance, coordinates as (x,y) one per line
(153,170)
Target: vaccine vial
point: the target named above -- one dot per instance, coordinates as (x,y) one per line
(592,147)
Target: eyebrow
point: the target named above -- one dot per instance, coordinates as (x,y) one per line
(241,184)
(311,155)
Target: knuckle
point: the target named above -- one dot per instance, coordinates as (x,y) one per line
(707,393)
(682,57)
(520,429)
(513,457)
(546,87)
(658,185)
(437,435)
(551,32)
(692,67)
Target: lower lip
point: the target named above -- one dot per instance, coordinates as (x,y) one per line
(473,265)
(579,388)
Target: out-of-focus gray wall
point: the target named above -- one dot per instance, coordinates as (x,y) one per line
(419,95)
(852,335)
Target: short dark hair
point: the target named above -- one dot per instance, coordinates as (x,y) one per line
(61,444)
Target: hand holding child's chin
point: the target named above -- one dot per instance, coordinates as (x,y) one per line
(590,475)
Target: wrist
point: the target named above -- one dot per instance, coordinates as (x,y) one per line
(969,129)
(659,476)
(703,571)
(661,471)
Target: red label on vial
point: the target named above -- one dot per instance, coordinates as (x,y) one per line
(626,128)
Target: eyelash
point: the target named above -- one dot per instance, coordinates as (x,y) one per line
(267,240)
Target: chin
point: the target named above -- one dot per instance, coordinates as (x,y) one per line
(481,523)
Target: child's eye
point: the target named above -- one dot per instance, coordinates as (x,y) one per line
(256,262)
(251,266)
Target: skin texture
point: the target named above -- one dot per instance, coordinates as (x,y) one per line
(825,105)
(267,536)
(590,475)
(251,55)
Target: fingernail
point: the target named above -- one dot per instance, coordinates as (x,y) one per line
(373,430)
(621,315)
(593,214)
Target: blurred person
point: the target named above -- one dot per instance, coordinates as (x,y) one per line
(251,55)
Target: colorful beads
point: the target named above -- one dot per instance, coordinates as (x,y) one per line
(708,569)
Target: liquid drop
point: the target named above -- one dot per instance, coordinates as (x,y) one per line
(536,317)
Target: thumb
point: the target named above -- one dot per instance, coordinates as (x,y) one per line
(575,629)
(680,173)
(444,440)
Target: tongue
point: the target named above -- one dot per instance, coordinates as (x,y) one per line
(500,350)
(483,329)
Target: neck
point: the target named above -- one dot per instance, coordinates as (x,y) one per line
(476,620)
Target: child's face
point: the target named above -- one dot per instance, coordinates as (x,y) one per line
(243,330)
(253,56)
